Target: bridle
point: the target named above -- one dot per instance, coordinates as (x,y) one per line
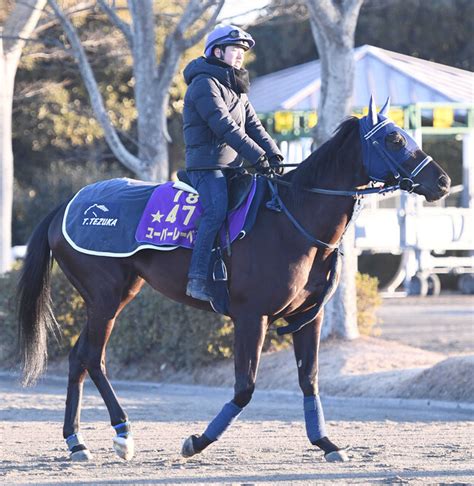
(404,178)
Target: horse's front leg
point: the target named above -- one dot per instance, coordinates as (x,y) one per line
(306,346)
(249,335)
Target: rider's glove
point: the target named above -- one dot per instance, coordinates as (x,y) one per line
(262,166)
(275,161)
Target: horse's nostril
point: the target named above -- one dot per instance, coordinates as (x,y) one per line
(444,182)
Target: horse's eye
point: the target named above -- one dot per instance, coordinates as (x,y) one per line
(395,141)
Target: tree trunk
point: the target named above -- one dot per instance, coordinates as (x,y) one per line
(337,79)
(341,310)
(152,141)
(18,26)
(333,25)
(8,65)
(152,81)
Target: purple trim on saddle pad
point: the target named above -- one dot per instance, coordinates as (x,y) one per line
(172,214)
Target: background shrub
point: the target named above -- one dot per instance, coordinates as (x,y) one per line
(368,300)
(153,331)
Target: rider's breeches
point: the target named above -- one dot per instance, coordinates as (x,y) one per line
(212,188)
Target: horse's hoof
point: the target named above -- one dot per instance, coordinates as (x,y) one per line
(188,449)
(337,456)
(124,447)
(81,456)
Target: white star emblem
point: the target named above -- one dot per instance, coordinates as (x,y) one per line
(157,217)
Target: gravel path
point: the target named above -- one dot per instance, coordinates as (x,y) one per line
(390,441)
(444,324)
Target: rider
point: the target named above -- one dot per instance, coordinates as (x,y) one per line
(220,129)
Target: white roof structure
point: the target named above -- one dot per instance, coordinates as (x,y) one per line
(383,73)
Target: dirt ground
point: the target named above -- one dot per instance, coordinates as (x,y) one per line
(443,323)
(405,415)
(389,441)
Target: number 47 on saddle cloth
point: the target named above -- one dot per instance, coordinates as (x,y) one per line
(172,215)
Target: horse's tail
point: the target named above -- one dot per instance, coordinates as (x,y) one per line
(35,315)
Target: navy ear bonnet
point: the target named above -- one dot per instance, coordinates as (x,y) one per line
(380,163)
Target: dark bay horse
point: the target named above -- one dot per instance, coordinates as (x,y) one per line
(278,270)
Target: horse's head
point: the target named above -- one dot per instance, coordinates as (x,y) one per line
(391,153)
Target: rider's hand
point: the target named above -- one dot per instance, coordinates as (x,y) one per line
(275,161)
(262,166)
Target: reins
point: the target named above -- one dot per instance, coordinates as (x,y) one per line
(333,192)
(329,192)
(277,204)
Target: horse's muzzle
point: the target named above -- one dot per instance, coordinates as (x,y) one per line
(444,184)
(442,189)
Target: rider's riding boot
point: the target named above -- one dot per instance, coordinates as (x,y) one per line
(197,288)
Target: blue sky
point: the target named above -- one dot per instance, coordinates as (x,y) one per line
(240,10)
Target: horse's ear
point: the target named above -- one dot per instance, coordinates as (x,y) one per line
(385,109)
(372,115)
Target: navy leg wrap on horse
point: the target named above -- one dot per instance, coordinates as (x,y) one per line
(222,422)
(314,418)
(123,430)
(75,443)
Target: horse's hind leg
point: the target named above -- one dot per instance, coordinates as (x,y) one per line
(77,374)
(249,335)
(306,346)
(88,355)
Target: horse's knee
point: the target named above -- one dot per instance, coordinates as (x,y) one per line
(309,385)
(243,396)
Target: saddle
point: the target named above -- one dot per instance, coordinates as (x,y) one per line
(239,186)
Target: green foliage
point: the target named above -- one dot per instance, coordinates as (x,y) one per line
(7,318)
(153,331)
(438,30)
(368,300)
(36,197)
(68,309)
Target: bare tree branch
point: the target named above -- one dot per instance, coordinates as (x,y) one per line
(350,6)
(128,159)
(176,43)
(20,23)
(76,10)
(39,89)
(322,11)
(189,42)
(193,11)
(117,21)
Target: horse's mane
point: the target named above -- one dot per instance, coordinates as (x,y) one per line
(326,157)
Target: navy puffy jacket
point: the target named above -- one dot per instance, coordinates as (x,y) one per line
(220,125)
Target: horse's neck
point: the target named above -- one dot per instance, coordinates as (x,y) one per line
(323,216)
